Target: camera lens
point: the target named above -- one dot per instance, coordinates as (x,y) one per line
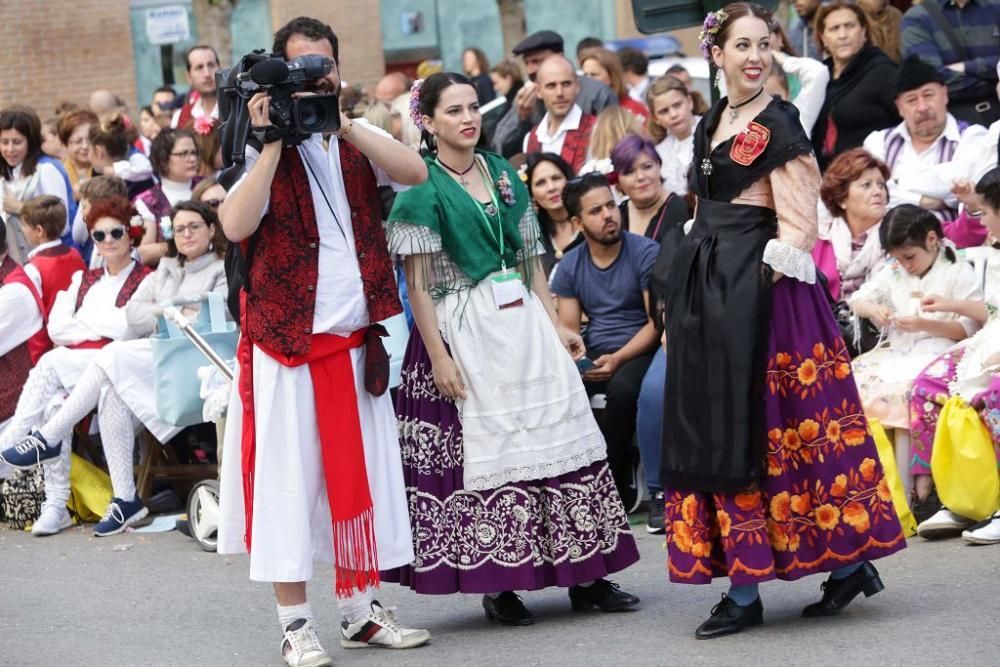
(319,113)
(312,116)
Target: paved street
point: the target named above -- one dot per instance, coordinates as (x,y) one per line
(157,599)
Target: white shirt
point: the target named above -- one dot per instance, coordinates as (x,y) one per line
(904,184)
(20,318)
(197,111)
(174,191)
(553,143)
(47,180)
(813,78)
(341,306)
(676,156)
(638,91)
(97,318)
(971,161)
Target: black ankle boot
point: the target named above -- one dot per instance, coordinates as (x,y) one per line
(602,594)
(838,593)
(507,609)
(728,618)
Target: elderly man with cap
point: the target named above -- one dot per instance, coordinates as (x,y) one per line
(527,109)
(928,136)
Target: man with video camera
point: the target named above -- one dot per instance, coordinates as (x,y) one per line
(313,469)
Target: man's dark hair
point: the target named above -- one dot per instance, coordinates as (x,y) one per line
(166,89)
(577,188)
(588,43)
(677,69)
(634,61)
(197,47)
(309,28)
(988,188)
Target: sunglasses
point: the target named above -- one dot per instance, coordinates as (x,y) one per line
(118,233)
(212,203)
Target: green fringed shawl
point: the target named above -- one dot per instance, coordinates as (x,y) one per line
(442,205)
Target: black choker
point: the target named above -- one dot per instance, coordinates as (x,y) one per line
(734,108)
(460,174)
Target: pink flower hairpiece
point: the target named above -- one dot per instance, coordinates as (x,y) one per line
(415,115)
(709,29)
(204,125)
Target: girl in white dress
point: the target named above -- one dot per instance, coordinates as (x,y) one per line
(671,125)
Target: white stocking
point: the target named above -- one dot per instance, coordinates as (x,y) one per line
(358,605)
(42,384)
(118,437)
(77,405)
(55,472)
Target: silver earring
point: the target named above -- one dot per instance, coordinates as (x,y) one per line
(211,246)
(718,79)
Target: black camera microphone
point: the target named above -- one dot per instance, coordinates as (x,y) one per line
(269,72)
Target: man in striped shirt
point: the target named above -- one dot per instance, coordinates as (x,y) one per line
(968,62)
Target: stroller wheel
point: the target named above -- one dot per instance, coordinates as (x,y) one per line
(203,513)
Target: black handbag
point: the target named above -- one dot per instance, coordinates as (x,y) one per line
(859,334)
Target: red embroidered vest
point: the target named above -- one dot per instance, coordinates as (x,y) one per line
(284,254)
(575,145)
(56,267)
(15,365)
(128,288)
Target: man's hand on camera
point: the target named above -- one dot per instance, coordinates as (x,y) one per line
(260,119)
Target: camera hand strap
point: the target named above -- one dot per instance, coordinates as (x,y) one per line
(319,184)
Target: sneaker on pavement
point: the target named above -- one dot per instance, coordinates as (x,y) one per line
(654,524)
(30,451)
(120,515)
(984,532)
(53,519)
(943,524)
(379,628)
(300,646)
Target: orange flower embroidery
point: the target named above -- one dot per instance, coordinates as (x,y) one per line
(801,504)
(701,550)
(682,536)
(774,435)
(807,372)
(884,493)
(793,542)
(833,431)
(689,509)
(777,536)
(792,440)
(827,517)
(808,430)
(839,488)
(842,370)
(784,359)
(856,515)
(819,350)
(725,523)
(868,469)
(854,437)
(781,505)
(773,466)
(748,501)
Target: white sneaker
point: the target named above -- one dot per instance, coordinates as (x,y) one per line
(380,629)
(53,519)
(943,524)
(984,532)
(300,646)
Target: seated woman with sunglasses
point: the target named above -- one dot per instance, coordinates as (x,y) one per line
(119,381)
(209,192)
(86,317)
(175,163)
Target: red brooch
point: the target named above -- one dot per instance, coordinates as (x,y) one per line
(749,144)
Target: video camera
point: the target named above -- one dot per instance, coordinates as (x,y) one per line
(293,119)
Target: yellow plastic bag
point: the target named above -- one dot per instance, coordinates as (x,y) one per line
(90,490)
(963,463)
(888,459)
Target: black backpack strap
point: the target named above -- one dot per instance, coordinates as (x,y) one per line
(934,11)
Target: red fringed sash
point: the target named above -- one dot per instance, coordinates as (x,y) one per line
(329,360)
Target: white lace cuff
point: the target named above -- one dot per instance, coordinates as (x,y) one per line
(790,261)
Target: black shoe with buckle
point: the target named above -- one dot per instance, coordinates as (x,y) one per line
(602,594)
(507,609)
(728,618)
(838,593)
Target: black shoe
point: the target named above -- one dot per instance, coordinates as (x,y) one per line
(838,593)
(602,594)
(655,522)
(507,609)
(926,508)
(728,618)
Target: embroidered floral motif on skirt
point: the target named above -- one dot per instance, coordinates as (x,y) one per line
(824,503)
(522,536)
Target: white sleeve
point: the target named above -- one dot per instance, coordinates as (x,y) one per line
(50,182)
(875,143)
(63,326)
(381,177)
(251,159)
(813,78)
(136,168)
(877,288)
(19,316)
(143,210)
(80,232)
(975,155)
(967,288)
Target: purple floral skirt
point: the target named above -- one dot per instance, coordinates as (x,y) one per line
(523,536)
(824,503)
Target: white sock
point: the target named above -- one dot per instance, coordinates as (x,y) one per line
(357,606)
(42,384)
(77,405)
(292,613)
(55,472)
(118,439)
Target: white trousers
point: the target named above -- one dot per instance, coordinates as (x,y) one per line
(292,526)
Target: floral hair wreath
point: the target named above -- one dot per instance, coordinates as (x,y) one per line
(415,115)
(135,228)
(166,228)
(709,29)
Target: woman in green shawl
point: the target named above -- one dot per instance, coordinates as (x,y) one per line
(505,466)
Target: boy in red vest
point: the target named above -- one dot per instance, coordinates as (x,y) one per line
(564,129)
(314,469)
